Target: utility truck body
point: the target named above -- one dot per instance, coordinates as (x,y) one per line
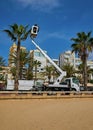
(61,83)
(70,83)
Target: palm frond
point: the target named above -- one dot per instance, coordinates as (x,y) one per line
(10,34)
(24,37)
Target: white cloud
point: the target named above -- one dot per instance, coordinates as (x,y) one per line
(41,5)
(59,35)
(54,36)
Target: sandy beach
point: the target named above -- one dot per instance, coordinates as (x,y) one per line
(46,114)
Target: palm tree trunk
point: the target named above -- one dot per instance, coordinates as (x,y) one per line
(17,66)
(35,75)
(35,72)
(85,72)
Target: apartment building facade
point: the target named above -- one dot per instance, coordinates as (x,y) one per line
(37,55)
(69,57)
(66,57)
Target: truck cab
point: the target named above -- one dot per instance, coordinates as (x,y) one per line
(73,83)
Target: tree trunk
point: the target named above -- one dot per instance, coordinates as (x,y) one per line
(85,73)
(17,67)
(35,72)
(35,75)
(16,83)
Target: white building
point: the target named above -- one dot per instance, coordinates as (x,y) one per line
(67,57)
(37,55)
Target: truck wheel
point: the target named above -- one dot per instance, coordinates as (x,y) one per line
(61,89)
(73,89)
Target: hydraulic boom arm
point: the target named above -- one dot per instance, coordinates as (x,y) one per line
(63,73)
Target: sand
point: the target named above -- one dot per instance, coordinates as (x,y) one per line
(46,114)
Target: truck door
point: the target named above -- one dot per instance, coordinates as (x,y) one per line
(68,82)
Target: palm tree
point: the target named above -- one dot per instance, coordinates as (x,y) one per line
(24,60)
(90,72)
(69,69)
(30,69)
(2,74)
(13,71)
(82,46)
(2,61)
(51,71)
(18,34)
(36,64)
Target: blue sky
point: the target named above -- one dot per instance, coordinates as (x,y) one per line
(59,21)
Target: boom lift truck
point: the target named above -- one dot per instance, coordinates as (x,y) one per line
(70,83)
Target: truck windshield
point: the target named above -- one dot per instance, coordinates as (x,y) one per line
(75,80)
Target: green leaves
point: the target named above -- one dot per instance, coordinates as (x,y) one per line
(69,69)
(83,45)
(2,61)
(17,32)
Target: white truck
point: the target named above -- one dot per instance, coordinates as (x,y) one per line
(70,83)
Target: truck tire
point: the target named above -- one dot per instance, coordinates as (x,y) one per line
(73,89)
